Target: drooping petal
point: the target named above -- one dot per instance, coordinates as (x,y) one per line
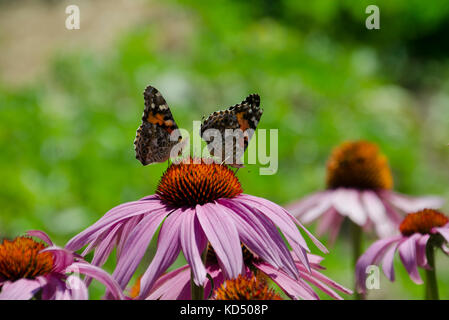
(128,227)
(175,285)
(388,261)
(325,284)
(22,289)
(136,246)
(316,211)
(286,223)
(61,257)
(105,247)
(193,243)
(297,242)
(41,235)
(377,214)
(280,217)
(78,288)
(444,231)
(347,202)
(172,285)
(407,253)
(330,222)
(223,236)
(113,216)
(98,274)
(371,255)
(298,208)
(410,204)
(421,254)
(261,236)
(168,249)
(295,289)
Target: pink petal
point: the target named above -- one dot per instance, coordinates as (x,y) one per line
(100,275)
(407,253)
(421,255)
(299,207)
(193,243)
(41,235)
(295,289)
(105,247)
(115,215)
(78,288)
(388,262)
(171,285)
(168,249)
(22,289)
(310,214)
(136,245)
(377,213)
(410,204)
(61,257)
(128,227)
(330,222)
(322,282)
(261,236)
(444,231)
(347,202)
(223,236)
(371,255)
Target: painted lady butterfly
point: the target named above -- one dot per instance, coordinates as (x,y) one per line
(244,116)
(152,142)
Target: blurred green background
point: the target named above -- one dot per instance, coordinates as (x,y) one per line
(71,100)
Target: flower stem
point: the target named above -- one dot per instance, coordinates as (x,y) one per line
(356,238)
(197,292)
(431,276)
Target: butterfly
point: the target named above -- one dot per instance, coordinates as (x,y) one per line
(152,142)
(244,116)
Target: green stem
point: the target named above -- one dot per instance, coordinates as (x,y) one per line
(356,235)
(431,276)
(197,292)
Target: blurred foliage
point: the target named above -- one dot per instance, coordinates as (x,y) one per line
(67,154)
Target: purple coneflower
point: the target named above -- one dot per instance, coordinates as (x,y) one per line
(31,269)
(421,233)
(359,187)
(175,285)
(195,204)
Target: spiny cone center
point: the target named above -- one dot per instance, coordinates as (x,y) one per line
(422,222)
(21,258)
(358,165)
(189,184)
(246,288)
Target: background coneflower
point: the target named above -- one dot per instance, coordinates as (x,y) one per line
(359,187)
(29,268)
(196,204)
(421,233)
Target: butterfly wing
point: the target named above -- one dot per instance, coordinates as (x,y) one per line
(244,116)
(152,142)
